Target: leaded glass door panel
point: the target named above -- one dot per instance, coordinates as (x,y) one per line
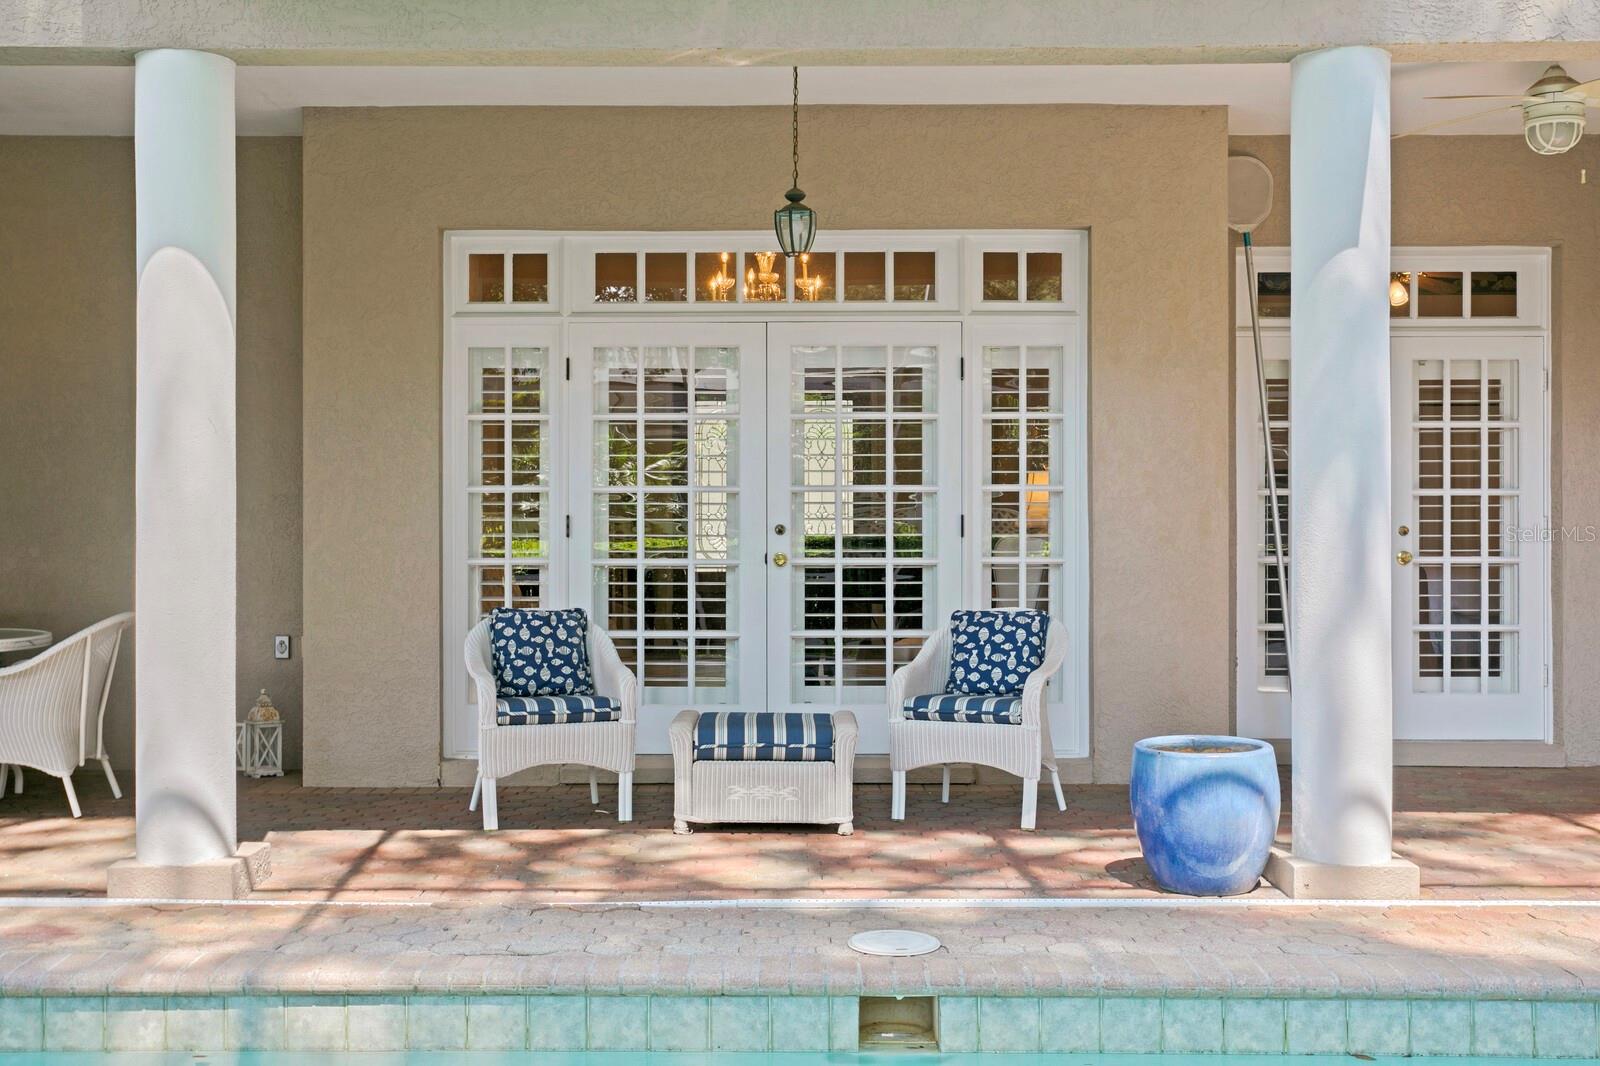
(863,519)
(1471,538)
(668,508)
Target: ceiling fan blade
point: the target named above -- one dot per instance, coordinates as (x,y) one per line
(1590,87)
(1457,120)
(1480,96)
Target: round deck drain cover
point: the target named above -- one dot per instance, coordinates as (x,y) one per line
(898,943)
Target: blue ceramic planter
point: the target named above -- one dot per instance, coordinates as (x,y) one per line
(1205,818)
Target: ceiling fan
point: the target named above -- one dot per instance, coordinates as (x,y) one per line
(1554,110)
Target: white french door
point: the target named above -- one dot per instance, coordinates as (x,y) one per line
(668,508)
(864,507)
(1469,502)
(758,509)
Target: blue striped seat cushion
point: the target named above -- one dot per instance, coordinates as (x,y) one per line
(767,736)
(555,710)
(955,707)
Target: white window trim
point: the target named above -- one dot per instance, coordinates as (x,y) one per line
(1264,712)
(571,282)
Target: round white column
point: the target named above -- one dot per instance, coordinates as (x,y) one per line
(1339,447)
(184,496)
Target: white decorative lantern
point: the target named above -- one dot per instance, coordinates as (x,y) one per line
(258,740)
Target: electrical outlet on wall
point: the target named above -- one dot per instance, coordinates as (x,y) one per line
(280,647)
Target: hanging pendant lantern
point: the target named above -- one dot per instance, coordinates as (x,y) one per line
(795,223)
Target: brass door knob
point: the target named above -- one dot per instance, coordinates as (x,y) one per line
(1404,531)
(780,559)
(1403,558)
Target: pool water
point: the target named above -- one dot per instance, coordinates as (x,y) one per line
(700,1058)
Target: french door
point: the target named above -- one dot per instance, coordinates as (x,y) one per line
(758,510)
(863,507)
(1469,502)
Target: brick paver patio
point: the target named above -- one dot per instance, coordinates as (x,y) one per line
(1490,833)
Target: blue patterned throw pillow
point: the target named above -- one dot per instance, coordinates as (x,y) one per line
(993,652)
(541,653)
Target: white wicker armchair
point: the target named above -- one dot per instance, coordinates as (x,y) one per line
(506,749)
(53,707)
(1022,749)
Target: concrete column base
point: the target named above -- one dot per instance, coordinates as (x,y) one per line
(231,878)
(1300,878)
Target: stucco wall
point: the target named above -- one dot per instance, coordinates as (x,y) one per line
(1493,190)
(381,186)
(66,402)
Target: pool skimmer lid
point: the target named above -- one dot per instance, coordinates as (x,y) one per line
(895,943)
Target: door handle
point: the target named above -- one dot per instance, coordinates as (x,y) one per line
(780,559)
(1403,558)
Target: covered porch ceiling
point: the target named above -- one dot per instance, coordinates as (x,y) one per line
(97,100)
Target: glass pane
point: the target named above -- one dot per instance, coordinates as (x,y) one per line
(764,274)
(1500,662)
(715,275)
(527,373)
(1400,294)
(530,278)
(486,277)
(1044,276)
(716,380)
(666,277)
(999,275)
(488,525)
(616,380)
(1494,294)
(1439,294)
(527,541)
(1272,294)
(488,590)
(913,276)
(813,280)
(526,453)
(527,586)
(616,277)
(488,461)
(1004,369)
(488,369)
(864,276)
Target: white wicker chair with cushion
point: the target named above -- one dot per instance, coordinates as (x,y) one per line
(53,707)
(593,725)
(1004,727)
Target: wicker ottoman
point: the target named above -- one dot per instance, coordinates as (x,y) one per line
(762,766)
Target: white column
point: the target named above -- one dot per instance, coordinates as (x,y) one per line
(1340,556)
(184,495)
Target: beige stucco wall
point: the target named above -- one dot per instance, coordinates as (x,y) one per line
(381,186)
(66,402)
(1493,190)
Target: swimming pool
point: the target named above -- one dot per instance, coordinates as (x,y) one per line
(687,1058)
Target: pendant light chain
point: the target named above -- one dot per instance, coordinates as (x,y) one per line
(794,223)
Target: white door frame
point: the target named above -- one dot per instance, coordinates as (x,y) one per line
(1262,707)
(1049,316)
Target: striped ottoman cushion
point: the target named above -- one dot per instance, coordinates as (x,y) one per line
(768,736)
(953,707)
(555,710)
